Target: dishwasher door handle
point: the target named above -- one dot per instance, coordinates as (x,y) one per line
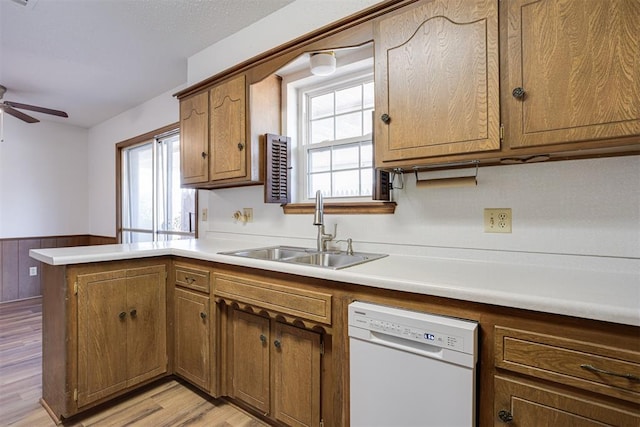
(423,349)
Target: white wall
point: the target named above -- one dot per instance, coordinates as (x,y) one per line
(153,114)
(589,208)
(581,207)
(43,179)
(292,21)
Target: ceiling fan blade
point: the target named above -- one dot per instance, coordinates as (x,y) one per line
(37,109)
(18,114)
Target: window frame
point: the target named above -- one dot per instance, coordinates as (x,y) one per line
(303,100)
(131,143)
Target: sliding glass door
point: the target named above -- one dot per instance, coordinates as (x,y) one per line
(154,207)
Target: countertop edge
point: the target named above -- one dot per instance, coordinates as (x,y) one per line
(358,275)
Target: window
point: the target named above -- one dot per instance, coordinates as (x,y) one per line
(335,146)
(153,207)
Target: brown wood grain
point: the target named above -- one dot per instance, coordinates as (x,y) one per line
(534,405)
(576,63)
(192,337)
(194,139)
(227,129)
(437,78)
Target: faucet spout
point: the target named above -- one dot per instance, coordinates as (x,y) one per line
(318,220)
(318,216)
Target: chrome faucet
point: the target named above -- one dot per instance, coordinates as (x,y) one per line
(318,220)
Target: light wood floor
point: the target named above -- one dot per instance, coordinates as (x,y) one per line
(166,403)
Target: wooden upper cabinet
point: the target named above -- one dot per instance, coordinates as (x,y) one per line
(224,132)
(228,136)
(194,139)
(437,82)
(577,65)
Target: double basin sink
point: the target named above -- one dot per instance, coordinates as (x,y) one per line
(294,255)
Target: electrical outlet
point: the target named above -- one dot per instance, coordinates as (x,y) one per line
(33,271)
(248,214)
(205,214)
(497,220)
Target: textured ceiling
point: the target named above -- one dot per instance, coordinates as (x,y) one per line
(97,58)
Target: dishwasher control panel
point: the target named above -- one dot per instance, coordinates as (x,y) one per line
(429,336)
(440,331)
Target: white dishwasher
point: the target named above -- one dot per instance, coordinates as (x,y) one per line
(410,369)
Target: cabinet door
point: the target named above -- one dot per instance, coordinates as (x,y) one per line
(192,337)
(436,81)
(296,369)
(146,327)
(102,330)
(228,130)
(194,139)
(250,359)
(532,405)
(577,62)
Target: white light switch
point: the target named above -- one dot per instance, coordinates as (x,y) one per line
(33,271)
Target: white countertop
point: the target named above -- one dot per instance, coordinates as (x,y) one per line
(612,296)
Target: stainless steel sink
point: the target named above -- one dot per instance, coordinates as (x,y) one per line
(275,253)
(294,255)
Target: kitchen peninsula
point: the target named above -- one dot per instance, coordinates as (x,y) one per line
(573,316)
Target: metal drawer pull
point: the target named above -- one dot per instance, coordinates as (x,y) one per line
(592,368)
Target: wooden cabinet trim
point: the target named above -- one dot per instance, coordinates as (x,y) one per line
(559,359)
(533,404)
(192,278)
(306,304)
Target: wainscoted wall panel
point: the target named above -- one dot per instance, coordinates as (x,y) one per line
(16,282)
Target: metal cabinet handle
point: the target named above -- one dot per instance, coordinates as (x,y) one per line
(204,155)
(277,343)
(592,368)
(189,280)
(240,146)
(518,93)
(203,315)
(263,339)
(133,313)
(122,315)
(505,416)
(385,118)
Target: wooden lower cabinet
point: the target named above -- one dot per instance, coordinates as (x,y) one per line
(523,403)
(275,368)
(192,337)
(104,332)
(249,344)
(296,375)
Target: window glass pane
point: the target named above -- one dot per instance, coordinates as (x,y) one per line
(176,206)
(322,130)
(346,157)
(319,181)
(322,106)
(319,160)
(136,237)
(367,101)
(366,155)
(349,125)
(366,181)
(367,126)
(349,99)
(137,193)
(346,183)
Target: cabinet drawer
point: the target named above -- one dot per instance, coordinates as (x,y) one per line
(310,305)
(192,278)
(590,366)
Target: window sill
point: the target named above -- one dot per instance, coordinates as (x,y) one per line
(343,208)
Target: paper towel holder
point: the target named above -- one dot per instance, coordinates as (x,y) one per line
(457,181)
